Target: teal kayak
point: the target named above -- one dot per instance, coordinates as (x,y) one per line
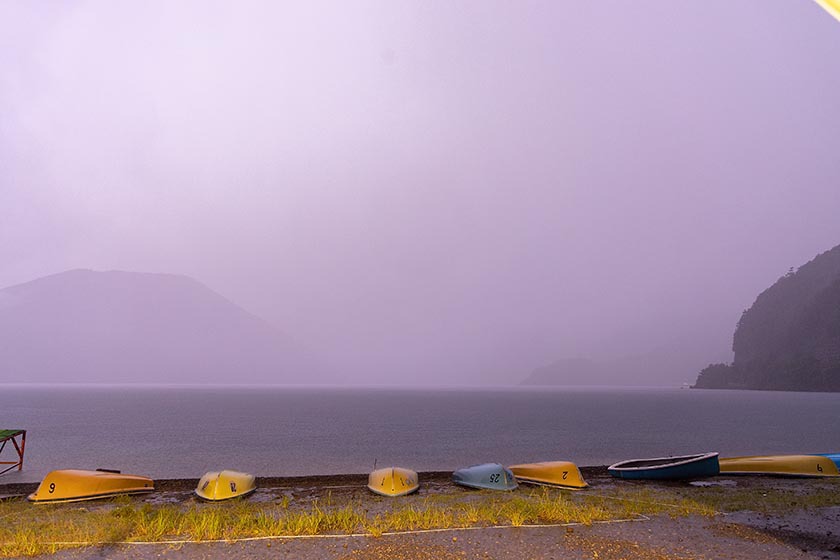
(668,468)
(487,476)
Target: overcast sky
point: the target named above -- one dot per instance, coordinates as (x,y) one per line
(445,191)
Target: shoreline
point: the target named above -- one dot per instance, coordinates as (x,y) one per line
(314,482)
(337,517)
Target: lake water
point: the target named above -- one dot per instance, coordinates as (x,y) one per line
(167,432)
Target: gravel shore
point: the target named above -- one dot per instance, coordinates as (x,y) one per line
(661,537)
(797,530)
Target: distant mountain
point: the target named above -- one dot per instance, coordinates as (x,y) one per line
(670,365)
(790,338)
(570,371)
(116,327)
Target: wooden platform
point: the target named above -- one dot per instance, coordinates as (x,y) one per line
(13,436)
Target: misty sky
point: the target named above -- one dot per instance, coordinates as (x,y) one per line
(430,190)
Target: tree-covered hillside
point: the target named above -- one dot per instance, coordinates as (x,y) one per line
(790,338)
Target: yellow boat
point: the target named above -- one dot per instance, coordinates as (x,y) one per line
(393,481)
(785,465)
(224,485)
(563,474)
(73,485)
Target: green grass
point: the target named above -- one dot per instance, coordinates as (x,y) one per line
(812,494)
(27,530)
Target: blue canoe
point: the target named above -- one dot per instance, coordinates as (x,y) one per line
(668,468)
(489,476)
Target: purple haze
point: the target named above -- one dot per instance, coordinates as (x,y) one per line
(452,192)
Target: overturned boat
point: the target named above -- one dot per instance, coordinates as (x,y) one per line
(668,468)
(224,485)
(563,474)
(393,481)
(781,465)
(487,476)
(835,458)
(72,485)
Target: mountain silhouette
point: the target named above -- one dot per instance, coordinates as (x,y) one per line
(117,327)
(790,338)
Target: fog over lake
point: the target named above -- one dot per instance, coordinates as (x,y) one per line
(428,193)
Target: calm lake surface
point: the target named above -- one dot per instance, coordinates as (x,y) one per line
(168,432)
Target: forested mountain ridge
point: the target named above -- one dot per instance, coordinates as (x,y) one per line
(790,338)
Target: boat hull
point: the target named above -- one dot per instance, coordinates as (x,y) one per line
(225,485)
(781,465)
(393,481)
(487,476)
(835,458)
(563,474)
(74,485)
(668,468)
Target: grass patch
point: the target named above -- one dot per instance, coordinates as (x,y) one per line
(28,530)
(812,493)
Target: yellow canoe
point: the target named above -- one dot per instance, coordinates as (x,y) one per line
(393,481)
(72,485)
(563,474)
(224,485)
(786,465)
